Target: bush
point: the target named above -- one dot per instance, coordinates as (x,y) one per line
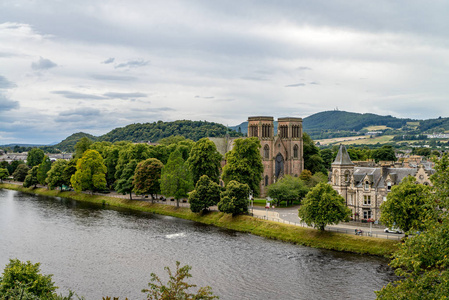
(234,200)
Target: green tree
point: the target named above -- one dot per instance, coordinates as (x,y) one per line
(384,153)
(244,164)
(31,178)
(28,278)
(43,169)
(81,146)
(205,160)
(408,205)
(69,171)
(205,194)
(323,206)
(422,261)
(234,200)
(3,174)
(124,183)
(35,157)
(328,158)
(55,177)
(176,287)
(311,154)
(13,165)
(147,177)
(20,173)
(176,178)
(90,172)
(288,189)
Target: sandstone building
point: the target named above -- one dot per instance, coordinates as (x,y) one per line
(365,188)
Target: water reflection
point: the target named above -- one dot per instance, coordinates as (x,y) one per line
(98,251)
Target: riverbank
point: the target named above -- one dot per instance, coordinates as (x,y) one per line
(273,230)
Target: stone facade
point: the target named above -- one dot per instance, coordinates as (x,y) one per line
(365,188)
(282,154)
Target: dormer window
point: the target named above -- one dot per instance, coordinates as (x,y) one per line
(367,185)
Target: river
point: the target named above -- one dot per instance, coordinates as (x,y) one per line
(100,252)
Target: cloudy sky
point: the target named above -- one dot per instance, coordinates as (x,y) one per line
(91,66)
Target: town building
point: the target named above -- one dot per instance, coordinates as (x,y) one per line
(365,188)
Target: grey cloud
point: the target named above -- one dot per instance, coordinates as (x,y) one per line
(113,77)
(109,60)
(125,95)
(6,84)
(81,112)
(302,68)
(7,104)
(74,95)
(295,85)
(43,64)
(206,97)
(133,64)
(314,82)
(253,78)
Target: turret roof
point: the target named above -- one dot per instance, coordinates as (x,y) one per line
(342,157)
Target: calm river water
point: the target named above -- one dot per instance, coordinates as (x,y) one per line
(98,252)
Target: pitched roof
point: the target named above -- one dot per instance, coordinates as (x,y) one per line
(342,157)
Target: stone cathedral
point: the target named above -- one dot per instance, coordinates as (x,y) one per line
(282,154)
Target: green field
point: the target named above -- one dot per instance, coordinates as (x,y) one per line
(383,139)
(376,128)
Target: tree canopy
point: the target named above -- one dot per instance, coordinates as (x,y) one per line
(55,177)
(234,200)
(408,206)
(3,174)
(176,178)
(323,206)
(244,164)
(90,172)
(384,153)
(205,194)
(35,157)
(287,189)
(147,177)
(205,160)
(31,178)
(43,169)
(20,172)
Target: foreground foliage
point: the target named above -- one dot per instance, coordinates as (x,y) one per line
(235,199)
(205,194)
(176,287)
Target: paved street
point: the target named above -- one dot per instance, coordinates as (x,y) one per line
(290,215)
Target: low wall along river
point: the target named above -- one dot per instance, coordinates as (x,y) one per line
(100,252)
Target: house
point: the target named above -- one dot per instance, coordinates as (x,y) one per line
(365,188)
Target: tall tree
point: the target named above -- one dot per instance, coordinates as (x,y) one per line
(408,206)
(3,174)
(20,173)
(35,157)
(43,169)
(124,183)
(235,199)
(205,194)
(90,172)
(323,206)
(205,160)
(311,154)
(81,147)
(244,164)
(31,178)
(55,177)
(147,177)
(13,165)
(176,178)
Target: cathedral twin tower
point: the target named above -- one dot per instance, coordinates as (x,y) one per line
(282,154)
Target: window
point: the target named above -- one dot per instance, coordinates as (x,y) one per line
(350,199)
(388,186)
(367,200)
(266,152)
(367,214)
(366,185)
(295,151)
(266,180)
(347,176)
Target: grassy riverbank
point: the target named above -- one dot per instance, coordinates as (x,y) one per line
(273,230)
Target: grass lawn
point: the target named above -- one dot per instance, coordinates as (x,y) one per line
(263,201)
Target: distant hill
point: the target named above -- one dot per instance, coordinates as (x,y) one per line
(153,132)
(68,145)
(340,120)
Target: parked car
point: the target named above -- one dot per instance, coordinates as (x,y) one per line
(393,230)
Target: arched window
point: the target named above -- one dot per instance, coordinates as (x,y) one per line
(347,176)
(266,152)
(266,180)
(295,151)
